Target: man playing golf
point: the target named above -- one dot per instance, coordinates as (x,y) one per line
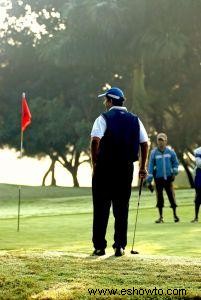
(115,139)
(163,167)
(197,182)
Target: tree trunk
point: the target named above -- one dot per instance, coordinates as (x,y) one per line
(52,170)
(75,169)
(189,175)
(45,176)
(139,91)
(75,180)
(70,166)
(53,181)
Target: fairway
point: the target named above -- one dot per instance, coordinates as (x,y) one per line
(61,218)
(55,231)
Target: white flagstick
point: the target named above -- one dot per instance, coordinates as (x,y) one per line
(19,188)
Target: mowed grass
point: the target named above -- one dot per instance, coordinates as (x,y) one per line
(49,258)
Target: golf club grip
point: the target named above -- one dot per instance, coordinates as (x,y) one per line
(140,188)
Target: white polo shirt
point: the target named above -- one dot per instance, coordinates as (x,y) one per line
(99,127)
(197,153)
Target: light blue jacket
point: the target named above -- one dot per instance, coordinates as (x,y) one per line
(162,164)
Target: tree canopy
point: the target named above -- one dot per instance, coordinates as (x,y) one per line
(70,50)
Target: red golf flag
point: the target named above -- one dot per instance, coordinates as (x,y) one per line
(26,115)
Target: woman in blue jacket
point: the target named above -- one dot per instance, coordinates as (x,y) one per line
(163,167)
(197,153)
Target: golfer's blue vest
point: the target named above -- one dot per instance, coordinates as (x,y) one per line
(120,143)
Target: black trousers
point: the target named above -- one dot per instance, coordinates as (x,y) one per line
(198,195)
(111,185)
(167,185)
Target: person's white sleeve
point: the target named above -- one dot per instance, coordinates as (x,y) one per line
(99,127)
(143,134)
(197,153)
(198,162)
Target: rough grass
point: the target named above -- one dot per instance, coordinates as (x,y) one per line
(62,276)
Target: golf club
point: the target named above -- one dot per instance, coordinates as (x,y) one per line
(140,190)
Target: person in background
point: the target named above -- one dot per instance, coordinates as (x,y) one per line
(163,167)
(116,137)
(197,182)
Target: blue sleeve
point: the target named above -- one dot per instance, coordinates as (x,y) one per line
(151,167)
(175,162)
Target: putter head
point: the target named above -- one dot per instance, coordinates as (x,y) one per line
(134,252)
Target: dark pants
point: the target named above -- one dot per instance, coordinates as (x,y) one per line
(111,185)
(162,184)
(198,195)
(197,201)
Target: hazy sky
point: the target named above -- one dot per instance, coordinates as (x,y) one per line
(29,171)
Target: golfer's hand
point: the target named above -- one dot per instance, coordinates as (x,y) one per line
(93,168)
(150,187)
(143,173)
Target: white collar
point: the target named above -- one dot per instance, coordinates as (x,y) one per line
(119,107)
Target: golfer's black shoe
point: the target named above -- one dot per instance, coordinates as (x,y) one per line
(119,251)
(160,220)
(176,219)
(194,220)
(98,252)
